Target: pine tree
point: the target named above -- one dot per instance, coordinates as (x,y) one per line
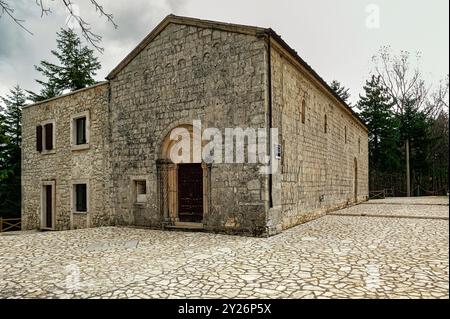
(13,114)
(10,152)
(376,111)
(416,127)
(76,69)
(4,142)
(48,91)
(340,90)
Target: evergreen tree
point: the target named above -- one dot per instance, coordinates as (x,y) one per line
(340,90)
(438,155)
(76,69)
(416,127)
(4,142)
(48,91)
(10,152)
(376,111)
(13,114)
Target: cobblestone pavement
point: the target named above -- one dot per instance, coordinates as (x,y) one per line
(332,257)
(421,207)
(427,200)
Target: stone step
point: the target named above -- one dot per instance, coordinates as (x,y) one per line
(185,227)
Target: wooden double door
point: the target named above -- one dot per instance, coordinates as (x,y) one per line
(190,193)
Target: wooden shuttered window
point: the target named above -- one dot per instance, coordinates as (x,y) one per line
(39,138)
(48,128)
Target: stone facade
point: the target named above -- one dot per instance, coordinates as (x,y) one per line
(321,148)
(226,76)
(64,165)
(188,73)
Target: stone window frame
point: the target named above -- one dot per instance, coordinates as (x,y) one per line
(43,124)
(73,131)
(134,195)
(73,206)
(51,183)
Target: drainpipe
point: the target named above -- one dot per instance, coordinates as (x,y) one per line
(269,84)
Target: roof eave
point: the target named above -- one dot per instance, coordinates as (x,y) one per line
(316,76)
(66,94)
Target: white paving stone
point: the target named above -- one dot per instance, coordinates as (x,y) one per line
(350,257)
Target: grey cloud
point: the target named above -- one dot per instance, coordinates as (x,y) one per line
(330,35)
(176,5)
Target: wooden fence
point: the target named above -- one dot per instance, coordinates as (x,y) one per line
(10,224)
(381,194)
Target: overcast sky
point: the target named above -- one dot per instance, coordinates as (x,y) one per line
(336,37)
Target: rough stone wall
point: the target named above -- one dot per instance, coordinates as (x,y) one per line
(189,73)
(65,165)
(314,163)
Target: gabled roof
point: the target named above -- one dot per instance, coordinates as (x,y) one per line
(236,28)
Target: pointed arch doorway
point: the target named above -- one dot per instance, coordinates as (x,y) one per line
(183,188)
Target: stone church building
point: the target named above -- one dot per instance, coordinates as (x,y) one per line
(100,156)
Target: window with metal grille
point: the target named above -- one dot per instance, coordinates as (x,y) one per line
(141,191)
(81,198)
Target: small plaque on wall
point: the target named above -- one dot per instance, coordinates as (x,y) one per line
(278,151)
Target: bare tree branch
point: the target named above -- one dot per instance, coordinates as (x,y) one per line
(44,10)
(6,9)
(91,37)
(438,102)
(100,9)
(403,83)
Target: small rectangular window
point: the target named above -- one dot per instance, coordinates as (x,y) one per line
(80,125)
(48,129)
(81,198)
(303,112)
(79,131)
(141,191)
(39,138)
(326,124)
(345,135)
